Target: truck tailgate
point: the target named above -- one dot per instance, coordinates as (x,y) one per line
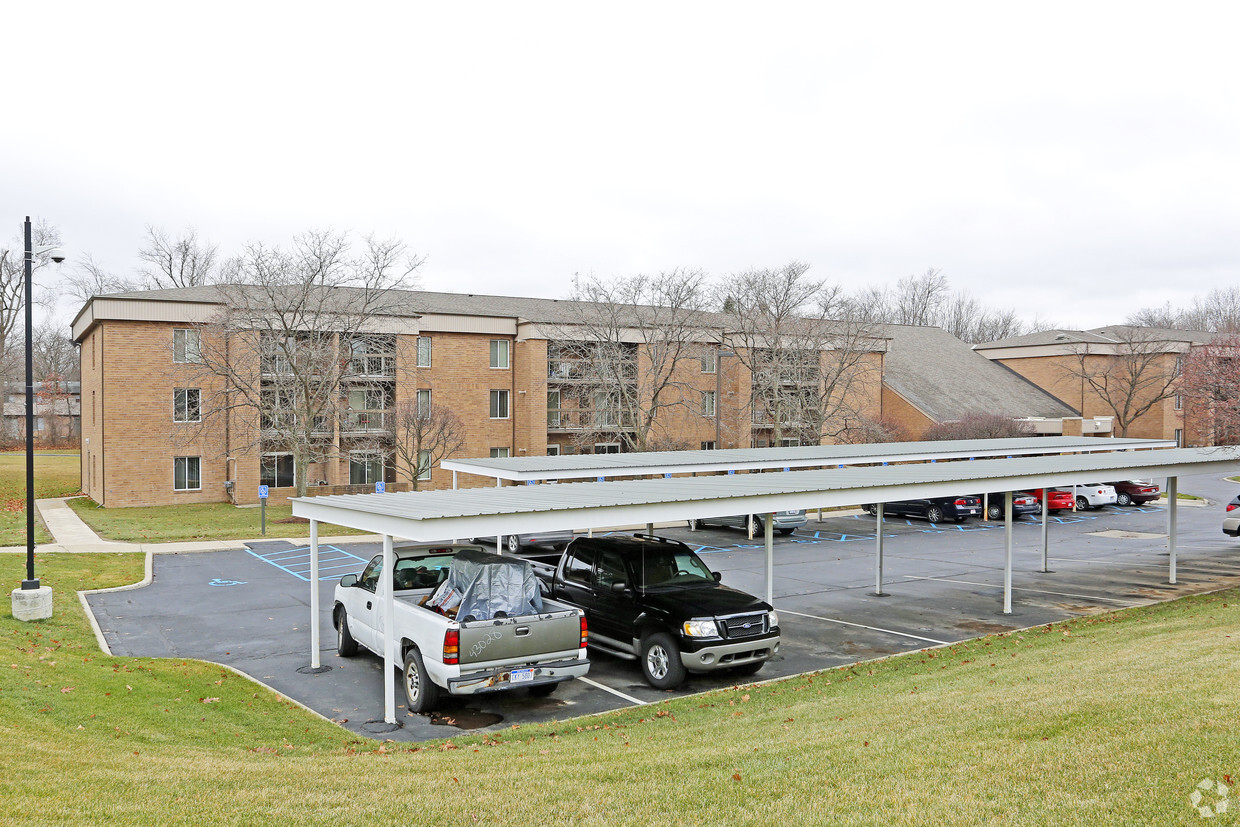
(510,640)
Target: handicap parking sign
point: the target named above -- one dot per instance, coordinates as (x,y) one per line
(262,492)
(380,487)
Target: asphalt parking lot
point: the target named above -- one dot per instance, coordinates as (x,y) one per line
(942,584)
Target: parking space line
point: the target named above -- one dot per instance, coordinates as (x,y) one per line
(615,692)
(863,626)
(299,558)
(1022,589)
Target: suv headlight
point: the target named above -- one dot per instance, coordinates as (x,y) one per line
(772,619)
(700,628)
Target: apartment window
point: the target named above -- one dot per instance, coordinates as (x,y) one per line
(710,361)
(1179,402)
(553,450)
(499,453)
(365,468)
(708,403)
(185,345)
(789,442)
(424,402)
(499,353)
(424,465)
(607,447)
(276,471)
(1179,437)
(499,404)
(553,409)
(187,473)
(187,405)
(708,445)
(424,351)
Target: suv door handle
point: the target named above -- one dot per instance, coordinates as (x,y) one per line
(368,605)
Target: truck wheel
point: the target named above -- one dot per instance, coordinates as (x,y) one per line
(749,668)
(661,664)
(346,646)
(513,542)
(420,694)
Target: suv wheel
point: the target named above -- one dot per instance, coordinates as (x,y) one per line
(661,664)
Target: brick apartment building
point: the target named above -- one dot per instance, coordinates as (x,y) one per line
(508,367)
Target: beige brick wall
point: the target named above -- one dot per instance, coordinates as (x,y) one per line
(899,412)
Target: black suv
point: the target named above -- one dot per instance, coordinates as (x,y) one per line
(654,599)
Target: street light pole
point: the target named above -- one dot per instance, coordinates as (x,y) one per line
(31,582)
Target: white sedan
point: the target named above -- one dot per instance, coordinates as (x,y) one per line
(1091,495)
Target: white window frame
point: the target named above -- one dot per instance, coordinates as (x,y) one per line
(274,482)
(710,361)
(554,413)
(496,395)
(500,453)
(177,406)
(424,465)
(421,363)
(708,404)
(185,460)
(501,354)
(553,450)
(424,410)
(365,458)
(188,354)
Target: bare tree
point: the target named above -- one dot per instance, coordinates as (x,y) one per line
(807,355)
(1210,390)
(181,261)
(619,365)
(423,436)
(978,425)
(13,279)
(89,278)
(1129,375)
(283,344)
(55,405)
(54,352)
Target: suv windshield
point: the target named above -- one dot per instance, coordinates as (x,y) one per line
(670,566)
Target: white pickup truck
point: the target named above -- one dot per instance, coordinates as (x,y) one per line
(465,620)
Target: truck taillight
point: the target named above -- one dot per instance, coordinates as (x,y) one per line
(585,633)
(452,646)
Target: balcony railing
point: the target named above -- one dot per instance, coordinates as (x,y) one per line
(287,420)
(577,370)
(366,421)
(577,419)
(369,366)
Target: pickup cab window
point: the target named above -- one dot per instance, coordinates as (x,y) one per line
(578,566)
(610,570)
(671,567)
(370,575)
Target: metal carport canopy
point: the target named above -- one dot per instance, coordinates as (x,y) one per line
(444,515)
(434,516)
(590,466)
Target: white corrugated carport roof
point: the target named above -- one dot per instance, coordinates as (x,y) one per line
(586,466)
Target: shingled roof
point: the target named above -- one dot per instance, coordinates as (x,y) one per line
(1106,335)
(946,379)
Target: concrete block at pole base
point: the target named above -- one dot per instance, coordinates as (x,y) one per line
(32,604)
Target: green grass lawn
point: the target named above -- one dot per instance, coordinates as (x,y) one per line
(207,521)
(57,473)
(1109,719)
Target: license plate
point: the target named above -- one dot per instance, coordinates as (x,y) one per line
(521,675)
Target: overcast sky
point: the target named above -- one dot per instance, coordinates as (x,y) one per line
(1076,161)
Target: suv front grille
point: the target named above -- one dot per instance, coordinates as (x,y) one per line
(744,626)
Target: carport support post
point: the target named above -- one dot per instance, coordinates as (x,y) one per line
(878,550)
(499,539)
(389,621)
(314,594)
(1045,511)
(1173,484)
(770,558)
(1007,565)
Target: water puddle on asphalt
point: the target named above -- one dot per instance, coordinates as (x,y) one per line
(465,718)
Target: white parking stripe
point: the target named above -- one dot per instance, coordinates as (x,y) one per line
(863,626)
(615,692)
(1019,589)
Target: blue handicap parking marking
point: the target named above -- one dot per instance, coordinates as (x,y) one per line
(218,582)
(333,561)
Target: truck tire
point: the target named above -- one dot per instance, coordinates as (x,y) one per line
(346,646)
(661,664)
(420,694)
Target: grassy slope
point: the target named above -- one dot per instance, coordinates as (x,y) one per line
(1109,719)
(56,474)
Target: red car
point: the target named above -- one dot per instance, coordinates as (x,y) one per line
(1134,492)
(1059,500)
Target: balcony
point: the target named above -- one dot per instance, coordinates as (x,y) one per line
(576,419)
(287,421)
(372,367)
(366,422)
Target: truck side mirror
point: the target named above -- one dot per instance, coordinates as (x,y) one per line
(619,588)
(348,580)
(718,576)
